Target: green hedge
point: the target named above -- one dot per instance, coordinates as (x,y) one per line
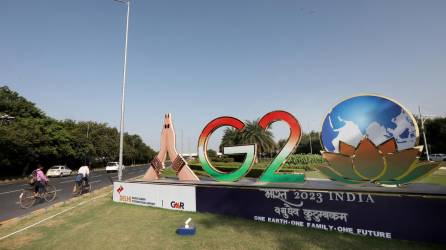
(222,159)
(305,162)
(254,173)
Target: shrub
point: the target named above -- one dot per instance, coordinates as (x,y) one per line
(222,159)
(304,161)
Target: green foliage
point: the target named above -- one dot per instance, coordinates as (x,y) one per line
(231,137)
(33,137)
(14,105)
(251,134)
(211,153)
(307,146)
(222,159)
(436,134)
(254,134)
(281,143)
(304,161)
(136,151)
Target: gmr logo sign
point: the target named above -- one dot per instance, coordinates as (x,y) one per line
(177,205)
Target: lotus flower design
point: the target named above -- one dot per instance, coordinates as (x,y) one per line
(382,164)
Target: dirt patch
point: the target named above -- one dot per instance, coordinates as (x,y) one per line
(82,226)
(54,222)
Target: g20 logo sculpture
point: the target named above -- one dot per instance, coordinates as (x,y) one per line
(367,138)
(271,172)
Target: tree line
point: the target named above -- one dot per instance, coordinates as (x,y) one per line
(28,137)
(266,146)
(435,129)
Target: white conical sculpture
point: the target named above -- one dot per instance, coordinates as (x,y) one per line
(186,223)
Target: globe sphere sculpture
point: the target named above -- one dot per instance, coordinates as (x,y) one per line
(371,138)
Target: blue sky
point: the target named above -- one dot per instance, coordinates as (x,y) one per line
(202,59)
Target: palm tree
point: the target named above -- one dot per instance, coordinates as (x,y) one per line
(231,137)
(281,143)
(252,134)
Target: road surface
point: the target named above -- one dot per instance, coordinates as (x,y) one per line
(9,193)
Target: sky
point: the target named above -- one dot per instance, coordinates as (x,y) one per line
(201,59)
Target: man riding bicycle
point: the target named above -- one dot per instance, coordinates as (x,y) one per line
(82,175)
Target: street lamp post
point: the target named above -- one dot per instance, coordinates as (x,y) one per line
(124,80)
(424,134)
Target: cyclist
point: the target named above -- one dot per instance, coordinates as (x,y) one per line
(41,180)
(82,175)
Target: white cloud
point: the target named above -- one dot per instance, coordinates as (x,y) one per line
(403,123)
(377,133)
(349,133)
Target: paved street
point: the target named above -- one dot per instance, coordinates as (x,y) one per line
(9,193)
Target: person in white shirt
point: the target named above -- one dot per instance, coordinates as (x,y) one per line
(82,175)
(85,171)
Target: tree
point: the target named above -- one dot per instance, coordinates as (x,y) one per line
(27,141)
(211,153)
(254,134)
(435,130)
(281,143)
(11,103)
(33,138)
(305,147)
(135,150)
(230,137)
(251,134)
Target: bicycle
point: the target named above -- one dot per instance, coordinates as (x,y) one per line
(27,197)
(83,188)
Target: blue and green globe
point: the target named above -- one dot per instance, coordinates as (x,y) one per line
(373,116)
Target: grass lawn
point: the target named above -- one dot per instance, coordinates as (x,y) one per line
(103,224)
(437,177)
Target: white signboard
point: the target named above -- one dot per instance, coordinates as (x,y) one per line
(175,197)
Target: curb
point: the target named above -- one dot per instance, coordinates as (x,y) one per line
(13,181)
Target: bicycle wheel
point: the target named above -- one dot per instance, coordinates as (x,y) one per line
(50,193)
(27,198)
(88,188)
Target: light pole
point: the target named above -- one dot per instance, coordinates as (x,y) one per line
(311,146)
(124,80)
(424,134)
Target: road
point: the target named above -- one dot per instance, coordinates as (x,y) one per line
(9,193)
